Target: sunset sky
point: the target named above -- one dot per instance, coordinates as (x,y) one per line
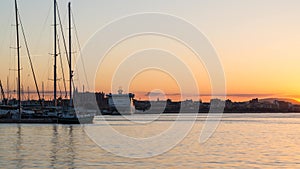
(258,44)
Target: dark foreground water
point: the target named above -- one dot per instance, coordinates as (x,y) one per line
(241,140)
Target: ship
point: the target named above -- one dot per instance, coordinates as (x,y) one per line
(119,104)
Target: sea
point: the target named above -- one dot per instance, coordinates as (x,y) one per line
(241,140)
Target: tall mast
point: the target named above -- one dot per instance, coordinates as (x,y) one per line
(55,54)
(70,53)
(43,92)
(18,54)
(2,93)
(28,93)
(7,86)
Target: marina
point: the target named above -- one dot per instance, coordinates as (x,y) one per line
(59,111)
(149,84)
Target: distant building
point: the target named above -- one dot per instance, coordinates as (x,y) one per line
(283,106)
(228,104)
(217,105)
(296,108)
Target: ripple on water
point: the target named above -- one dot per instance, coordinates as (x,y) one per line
(241,140)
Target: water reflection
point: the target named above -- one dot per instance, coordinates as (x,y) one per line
(19,141)
(63,149)
(245,141)
(54,149)
(71,147)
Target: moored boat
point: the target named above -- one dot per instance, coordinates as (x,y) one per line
(53,113)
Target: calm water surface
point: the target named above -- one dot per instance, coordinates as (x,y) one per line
(241,140)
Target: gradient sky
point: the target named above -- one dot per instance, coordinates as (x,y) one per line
(258,42)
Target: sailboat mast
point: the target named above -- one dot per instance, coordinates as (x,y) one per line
(55,54)
(2,92)
(28,93)
(18,54)
(7,88)
(70,52)
(43,91)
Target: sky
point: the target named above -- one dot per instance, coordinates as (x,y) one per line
(257,43)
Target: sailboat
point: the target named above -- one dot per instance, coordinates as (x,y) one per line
(69,115)
(53,113)
(14,113)
(48,114)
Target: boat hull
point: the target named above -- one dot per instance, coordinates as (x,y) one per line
(75,120)
(35,121)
